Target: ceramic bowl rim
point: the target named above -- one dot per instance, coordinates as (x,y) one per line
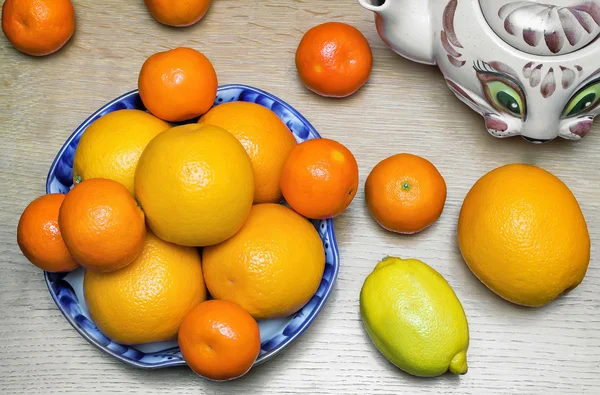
(330,231)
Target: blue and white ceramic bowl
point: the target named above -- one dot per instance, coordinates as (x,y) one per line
(66,288)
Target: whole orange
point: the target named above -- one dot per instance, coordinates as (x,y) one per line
(405,193)
(334,59)
(111,146)
(195,184)
(219,340)
(271,267)
(147,300)
(522,233)
(267,140)
(102,225)
(38,27)
(39,236)
(178,13)
(319,178)
(178,85)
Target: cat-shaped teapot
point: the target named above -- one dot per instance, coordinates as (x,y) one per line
(530,68)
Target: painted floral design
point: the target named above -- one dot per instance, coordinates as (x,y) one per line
(552,25)
(549,80)
(448,35)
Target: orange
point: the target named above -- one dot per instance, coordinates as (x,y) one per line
(405,193)
(38,27)
(271,267)
(177,13)
(39,236)
(195,184)
(267,140)
(112,145)
(177,85)
(334,59)
(522,233)
(320,178)
(102,225)
(147,300)
(219,340)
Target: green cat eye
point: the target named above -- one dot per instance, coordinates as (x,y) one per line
(506,98)
(585,100)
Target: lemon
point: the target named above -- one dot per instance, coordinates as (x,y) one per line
(111,146)
(195,184)
(414,318)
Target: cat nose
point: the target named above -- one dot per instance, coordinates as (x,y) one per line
(536,141)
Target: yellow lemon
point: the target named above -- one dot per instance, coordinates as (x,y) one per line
(414,318)
(522,233)
(147,300)
(271,267)
(111,146)
(195,184)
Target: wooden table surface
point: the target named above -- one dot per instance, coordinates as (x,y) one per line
(405,107)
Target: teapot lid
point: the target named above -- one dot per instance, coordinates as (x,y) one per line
(544,27)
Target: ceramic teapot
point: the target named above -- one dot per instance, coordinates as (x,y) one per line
(530,68)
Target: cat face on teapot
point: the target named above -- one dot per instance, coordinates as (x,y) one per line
(530,68)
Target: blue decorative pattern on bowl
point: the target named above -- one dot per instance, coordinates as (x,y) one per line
(67,288)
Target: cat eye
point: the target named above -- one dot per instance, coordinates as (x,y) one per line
(504,98)
(503,92)
(585,100)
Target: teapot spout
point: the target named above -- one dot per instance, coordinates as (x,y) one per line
(405,26)
(373,5)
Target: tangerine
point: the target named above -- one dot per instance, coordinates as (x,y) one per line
(39,236)
(405,193)
(102,225)
(178,84)
(320,178)
(38,27)
(334,59)
(178,13)
(219,340)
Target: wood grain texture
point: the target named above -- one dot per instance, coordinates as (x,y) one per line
(405,107)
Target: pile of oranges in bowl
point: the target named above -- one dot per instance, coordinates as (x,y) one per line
(180,228)
(178,224)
